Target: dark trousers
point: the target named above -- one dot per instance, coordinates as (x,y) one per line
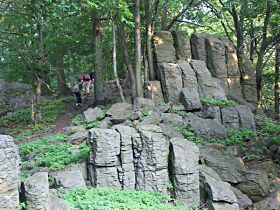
(78,96)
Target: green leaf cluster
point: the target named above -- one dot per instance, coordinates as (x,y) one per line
(217,102)
(101,199)
(190,135)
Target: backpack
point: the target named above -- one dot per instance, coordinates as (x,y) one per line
(76,88)
(87,77)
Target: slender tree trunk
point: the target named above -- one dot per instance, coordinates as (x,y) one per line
(277,81)
(164,18)
(115,61)
(149,34)
(61,83)
(139,89)
(146,68)
(124,46)
(253,40)
(97,45)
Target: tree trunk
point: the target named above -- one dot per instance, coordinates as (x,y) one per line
(97,45)
(115,61)
(164,18)
(277,81)
(139,89)
(124,46)
(253,41)
(61,83)
(37,105)
(149,34)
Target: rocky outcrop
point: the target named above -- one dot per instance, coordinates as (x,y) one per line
(143,104)
(37,191)
(184,171)
(182,45)
(69,179)
(91,114)
(198,46)
(164,47)
(14,96)
(153,91)
(119,112)
(9,173)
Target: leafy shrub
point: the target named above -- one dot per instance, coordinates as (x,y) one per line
(217,102)
(271,129)
(84,199)
(190,135)
(20,116)
(93,125)
(237,137)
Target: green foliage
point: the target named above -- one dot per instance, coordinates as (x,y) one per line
(144,114)
(21,206)
(51,109)
(190,135)
(237,137)
(93,125)
(271,129)
(217,102)
(101,199)
(170,186)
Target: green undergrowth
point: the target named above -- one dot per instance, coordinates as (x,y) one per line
(51,109)
(108,199)
(270,129)
(52,152)
(217,102)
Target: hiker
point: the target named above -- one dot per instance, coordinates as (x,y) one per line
(77,90)
(86,83)
(92,77)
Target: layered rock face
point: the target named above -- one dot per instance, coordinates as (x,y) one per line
(9,173)
(213,70)
(128,158)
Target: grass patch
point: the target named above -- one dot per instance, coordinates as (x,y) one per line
(217,102)
(107,199)
(52,152)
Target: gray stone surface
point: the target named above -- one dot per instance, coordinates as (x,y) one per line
(246,117)
(198,46)
(271,202)
(127,175)
(222,206)
(163,108)
(216,60)
(37,191)
(9,173)
(106,177)
(91,114)
(230,169)
(185,172)
(119,112)
(151,159)
(78,138)
(243,201)
(188,74)
(171,82)
(255,185)
(210,112)
(170,131)
(105,146)
(56,203)
(172,119)
(190,99)
(143,104)
(206,128)
(164,47)
(153,118)
(74,129)
(69,179)
(13,96)
(182,45)
(230,118)
(153,91)
(208,87)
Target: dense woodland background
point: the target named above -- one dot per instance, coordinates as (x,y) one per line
(49,43)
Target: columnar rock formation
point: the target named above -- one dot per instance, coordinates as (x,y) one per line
(9,173)
(128,158)
(214,68)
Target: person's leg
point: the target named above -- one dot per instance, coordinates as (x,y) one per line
(87,87)
(79,98)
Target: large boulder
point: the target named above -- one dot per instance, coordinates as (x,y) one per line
(172,119)
(216,60)
(246,117)
(119,112)
(230,117)
(143,104)
(198,46)
(77,138)
(230,168)
(153,118)
(182,45)
(271,202)
(184,175)
(206,128)
(255,185)
(208,86)
(190,99)
(105,146)
(151,159)
(69,179)
(37,191)
(243,201)
(171,82)
(164,47)
(210,112)
(9,173)
(92,115)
